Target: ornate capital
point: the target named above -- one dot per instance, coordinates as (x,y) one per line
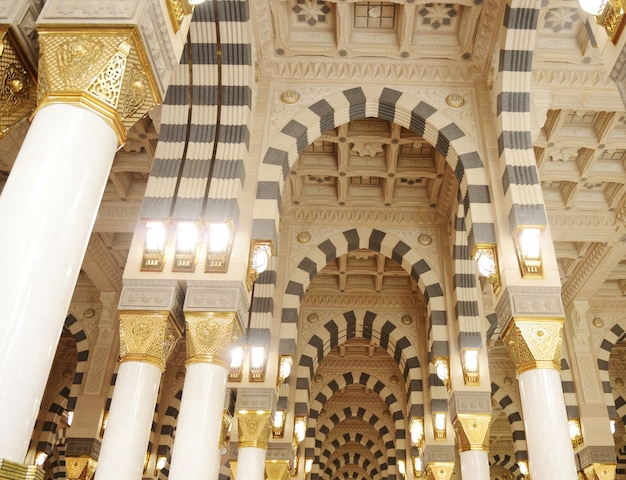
(439,471)
(147,337)
(253,427)
(17,471)
(80,468)
(18,92)
(227,421)
(277,470)
(473,431)
(600,471)
(209,335)
(534,342)
(104,70)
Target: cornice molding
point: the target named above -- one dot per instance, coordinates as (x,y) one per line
(314,215)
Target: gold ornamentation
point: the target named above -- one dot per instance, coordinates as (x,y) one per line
(233,468)
(600,471)
(290,97)
(473,431)
(534,343)
(18,94)
(277,470)
(177,10)
(227,423)
(440,470)
(254,428)
(209,336)
(104,70)
(147,337)
(80,468)
(455,100)
(16,471)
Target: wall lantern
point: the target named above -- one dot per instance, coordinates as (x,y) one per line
(487,261)
(528,246)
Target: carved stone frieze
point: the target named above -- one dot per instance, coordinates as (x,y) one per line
(327,216)
(530,302)
(217,297)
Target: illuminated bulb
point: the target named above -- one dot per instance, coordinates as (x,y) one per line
(219,237)
(160,464)
(401,467)
(40,458)
(470,358)
(417,430)
(236,358)
(70,417)
(257,358)
(308,465)
(187,237)
(285,367)
(299,429)
(523,467)
(440,422)
(529,243)
(279,419)
(417,464)
(574,429)
(484,260)
(261,258)
(441,367)
(156,235)
(612,424)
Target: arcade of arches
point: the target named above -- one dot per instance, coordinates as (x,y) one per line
(375,148)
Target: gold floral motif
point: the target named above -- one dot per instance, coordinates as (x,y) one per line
(534,343)
(439,470)
(101,69)
(147,337)
(254,428)
(18,94)
(600,471)
(16,471)
(80,468)
(209,336)
(277,470)
(177,10)
(227,422)
(473,431)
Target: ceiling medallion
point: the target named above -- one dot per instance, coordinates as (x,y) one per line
(598,322)
(290,97)
(89,313)
(318,378)
(312,318)
(425,239)
(304,237)
(393,379)
(407,319)
(508,381)
(387,414)
(619,382)
(455,101)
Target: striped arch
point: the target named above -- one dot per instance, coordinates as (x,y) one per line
(57,458)
(615,335)
(368,325)
(335,442)
(522,190)
(50,428)
(406,110)
(505,461)
(620,472)
(380,426)
(514,415)
(569,389)
(350,471)
(168,429)
(75,327)
(352,458)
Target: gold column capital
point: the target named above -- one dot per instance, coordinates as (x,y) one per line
(18,90)
(80,468)
(147,337)
(600,471)
(439,470)
(209,336)
(103,69)
(253,427)
(233,468)
(277,470)
(16,471)
(473,431)
(534,342)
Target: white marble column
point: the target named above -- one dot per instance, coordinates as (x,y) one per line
(146,340)
(47,211)
(544,411)
(535,347)
(196,446)
(475,465)
(251,463)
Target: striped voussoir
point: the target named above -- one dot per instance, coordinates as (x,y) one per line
(365,461)
(381,426)
(520,181)
(505,461)
(404,109)
(77,330)
(204,132)
(168,428)
(569,389)
(466,289)
(56,460)
(50,429)
(107,404)
(366,439)
(513,414)
(621,462)
(615,335)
